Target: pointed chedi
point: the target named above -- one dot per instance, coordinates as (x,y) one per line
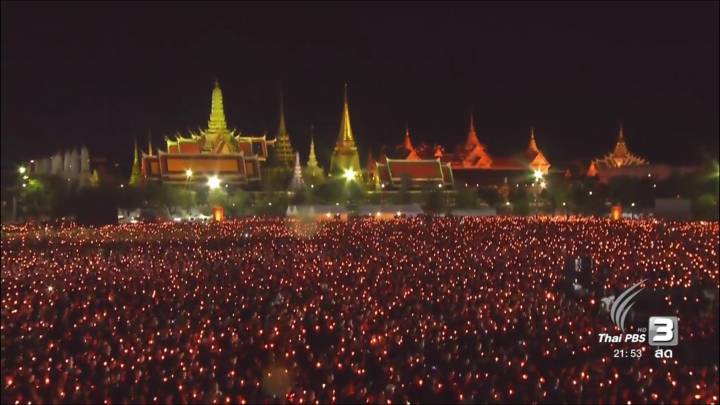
(217,122)
(345,155)
(297,183)
(135,173)
(313,169)
(218,137)
(283,151)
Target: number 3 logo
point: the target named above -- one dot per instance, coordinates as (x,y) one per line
(663,331)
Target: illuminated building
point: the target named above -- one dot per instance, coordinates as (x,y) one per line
(470,163)
(345,155)
(420,173)
(620,156)
(214,151)
(623,163)
(71,165)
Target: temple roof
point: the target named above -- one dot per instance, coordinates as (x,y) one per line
(532,149)
(412,153)
(621,155)
(536,158)
(283,147)
(472,138)
(427,170)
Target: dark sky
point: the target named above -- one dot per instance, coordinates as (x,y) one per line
(101,74)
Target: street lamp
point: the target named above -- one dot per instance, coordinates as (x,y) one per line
(538,174)
(22,169)
(349,174)
(188,173)
(213,182)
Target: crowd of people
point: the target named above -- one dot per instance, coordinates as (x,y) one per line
(405,310)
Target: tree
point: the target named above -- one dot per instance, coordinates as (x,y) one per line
(434,201)
(520,201)
(274,204)
(403,195)
(466,198)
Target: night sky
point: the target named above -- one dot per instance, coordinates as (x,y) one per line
(102,74)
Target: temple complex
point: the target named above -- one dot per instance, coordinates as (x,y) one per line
(345,155)
(215,151)
(469,163)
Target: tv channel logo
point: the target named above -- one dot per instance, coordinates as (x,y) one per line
(663,331)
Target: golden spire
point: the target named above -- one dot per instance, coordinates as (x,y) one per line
(283,148)
(135,172)
(217,113)
(312,167)
(345,135)
(282,129)
(150,147)
(312,159)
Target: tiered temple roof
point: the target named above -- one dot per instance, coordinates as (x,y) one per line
(536,158)
(620,156)
(474,153)
(422,172)
(412,154)
(214,151)
(283,148)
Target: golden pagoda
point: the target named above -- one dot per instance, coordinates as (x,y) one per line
(536,158)
(620,156)
(312,168)
(135,172)
(283,151)
(345,155)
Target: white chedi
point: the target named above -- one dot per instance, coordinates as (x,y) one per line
(297,183)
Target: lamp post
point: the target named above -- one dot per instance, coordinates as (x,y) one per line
(213,182)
